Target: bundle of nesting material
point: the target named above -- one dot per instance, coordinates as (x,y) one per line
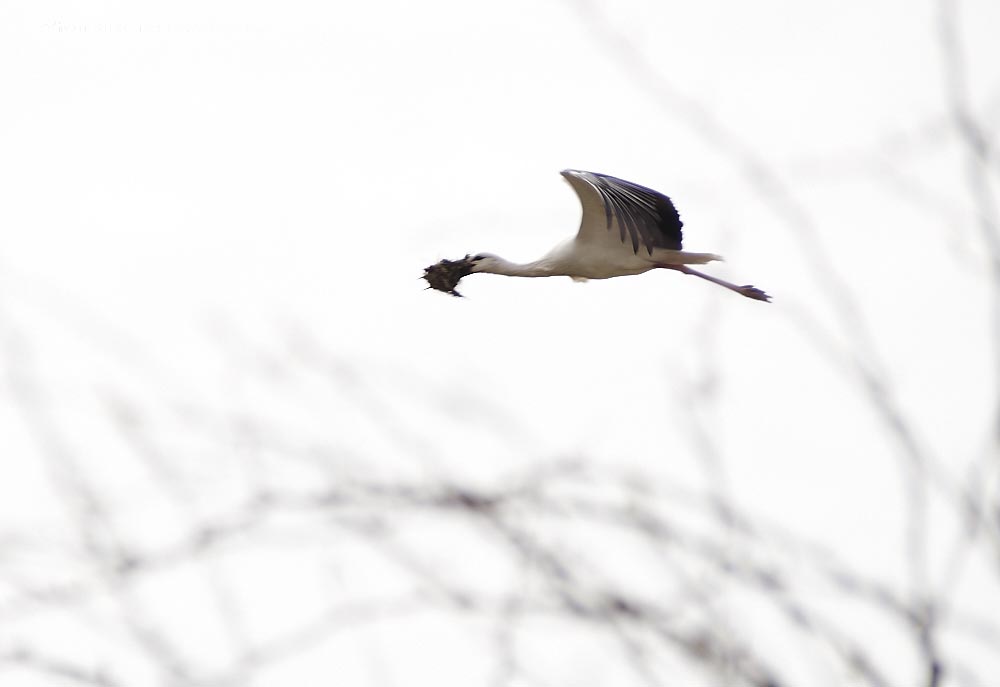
(445,275)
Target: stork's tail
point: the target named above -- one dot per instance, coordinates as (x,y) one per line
(683,258)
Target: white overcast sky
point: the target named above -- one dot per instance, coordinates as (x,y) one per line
(186,183)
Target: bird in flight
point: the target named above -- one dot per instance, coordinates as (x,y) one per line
(626,229)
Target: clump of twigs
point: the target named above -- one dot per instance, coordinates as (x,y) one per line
(445,275)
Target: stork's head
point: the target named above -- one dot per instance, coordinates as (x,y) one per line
(485,262)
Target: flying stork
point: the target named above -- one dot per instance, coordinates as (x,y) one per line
(626,229)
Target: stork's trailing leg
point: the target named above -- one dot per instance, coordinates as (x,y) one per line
(745,290)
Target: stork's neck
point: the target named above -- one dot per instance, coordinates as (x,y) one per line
(538,268)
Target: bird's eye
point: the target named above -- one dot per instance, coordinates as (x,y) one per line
(474,258)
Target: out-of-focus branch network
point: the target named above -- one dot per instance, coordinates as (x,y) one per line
(272,546)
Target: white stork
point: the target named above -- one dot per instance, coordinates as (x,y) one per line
(626,229)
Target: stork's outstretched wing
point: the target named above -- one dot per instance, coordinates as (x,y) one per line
(641,215)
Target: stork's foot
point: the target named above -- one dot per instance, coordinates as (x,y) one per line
(753,292)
